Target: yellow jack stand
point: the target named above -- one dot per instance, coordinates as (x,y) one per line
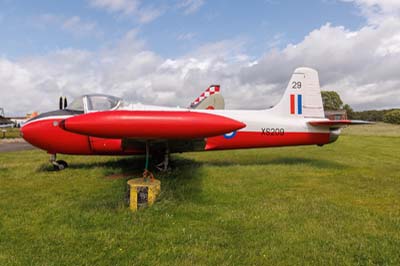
(142,192)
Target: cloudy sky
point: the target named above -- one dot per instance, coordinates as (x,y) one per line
(166,52)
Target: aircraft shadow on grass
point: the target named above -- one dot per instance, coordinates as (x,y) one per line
(184,181)
(134,165)
(317,163)
(130,165)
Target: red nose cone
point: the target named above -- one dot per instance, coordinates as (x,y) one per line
(151,124)
(28,133)
(47,135)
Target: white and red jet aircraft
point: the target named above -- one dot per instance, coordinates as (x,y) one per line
(106,125)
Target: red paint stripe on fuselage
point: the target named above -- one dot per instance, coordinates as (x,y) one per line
(244,140)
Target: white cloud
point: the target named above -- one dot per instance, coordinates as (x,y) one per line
(148,14)
(144,14)
(190,6)
(377,10)
(76,26)
(386,6)
(362,65)
(186,36)
(123,6)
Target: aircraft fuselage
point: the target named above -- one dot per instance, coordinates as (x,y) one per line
(262,129)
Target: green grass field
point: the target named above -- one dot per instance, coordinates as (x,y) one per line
(9,133)
(336,205)
(378,129)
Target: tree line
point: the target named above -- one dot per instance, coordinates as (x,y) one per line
(332,101)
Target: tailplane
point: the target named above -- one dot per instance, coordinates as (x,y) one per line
(302,97)
(338,123)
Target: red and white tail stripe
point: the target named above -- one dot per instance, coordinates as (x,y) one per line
(213,89)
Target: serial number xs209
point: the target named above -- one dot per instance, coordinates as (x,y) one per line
(272,131)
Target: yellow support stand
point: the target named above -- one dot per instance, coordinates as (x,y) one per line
(142,192)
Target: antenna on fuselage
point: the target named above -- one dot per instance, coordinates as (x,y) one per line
(62,103)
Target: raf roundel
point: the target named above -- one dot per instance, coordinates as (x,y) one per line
(230,135)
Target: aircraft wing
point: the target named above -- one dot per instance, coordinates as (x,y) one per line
(174,145)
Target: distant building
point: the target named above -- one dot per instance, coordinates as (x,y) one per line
(14,121)
(5,122)
(336,114)
(17,120)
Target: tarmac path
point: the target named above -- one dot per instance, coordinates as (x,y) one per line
(14,145)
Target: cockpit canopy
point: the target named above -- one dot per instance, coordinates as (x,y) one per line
(95,102)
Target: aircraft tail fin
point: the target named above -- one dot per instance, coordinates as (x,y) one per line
(302,97)
(209,99)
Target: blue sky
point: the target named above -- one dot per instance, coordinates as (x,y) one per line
(167,52)
(260,23)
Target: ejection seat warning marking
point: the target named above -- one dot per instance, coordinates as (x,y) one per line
(272,131)
(142,196)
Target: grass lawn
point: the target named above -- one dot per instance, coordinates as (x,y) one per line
(378,129)
(336,205)
(9,133)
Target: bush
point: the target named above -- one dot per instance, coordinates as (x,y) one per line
(392,117)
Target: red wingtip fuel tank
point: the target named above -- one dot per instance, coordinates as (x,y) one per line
(151,124)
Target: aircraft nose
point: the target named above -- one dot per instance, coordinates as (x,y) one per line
(34,133)
(26,132)
(39,134)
